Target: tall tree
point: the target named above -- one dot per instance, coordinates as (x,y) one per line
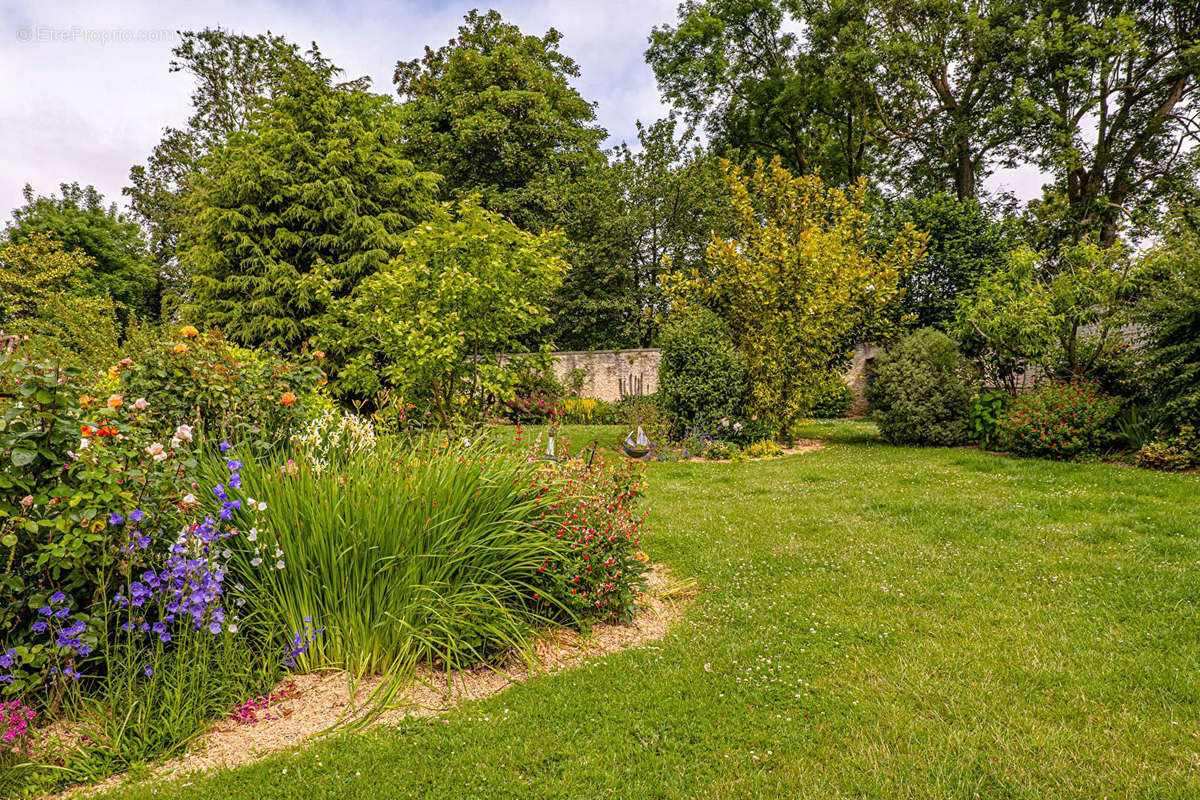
(119,265)
(763,89)
(495,113)
(965,244)
(943,87)
(314,188)
(234,73)
(653,210)
(1110,98)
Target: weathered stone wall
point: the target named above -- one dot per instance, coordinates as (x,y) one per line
(610,374)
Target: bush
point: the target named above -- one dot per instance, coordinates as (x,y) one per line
(1178,452)
(833,400)
(224,391)
(918,395)
(983,421)
(702,375)
(1059,420)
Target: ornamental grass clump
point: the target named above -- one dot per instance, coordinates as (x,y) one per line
(1060,420)
(436,552)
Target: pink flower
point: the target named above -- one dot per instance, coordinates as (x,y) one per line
(140,404)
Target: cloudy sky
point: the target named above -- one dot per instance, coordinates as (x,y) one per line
(86,91)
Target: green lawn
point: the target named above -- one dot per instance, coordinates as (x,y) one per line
(878,622)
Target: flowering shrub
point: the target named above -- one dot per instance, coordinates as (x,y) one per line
(534,407)
(334,436)
(1059,420)
(224,391)
(593,511)
(1178,452)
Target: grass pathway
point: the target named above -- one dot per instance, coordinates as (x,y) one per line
(879,623)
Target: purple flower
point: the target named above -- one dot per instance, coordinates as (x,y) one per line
(219,491)
(8,658)
(225,446)
(39,626)
(233,465)
(143,542)
(235,481)
(57,598)
(63,613)
(136,515)
(214,627)
(149,670)
(115,519)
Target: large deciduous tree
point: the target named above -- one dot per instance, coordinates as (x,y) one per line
(798,283)
(495,113)
(119,267)
(654,209)
(764,86)
(1108,94)
(315,184)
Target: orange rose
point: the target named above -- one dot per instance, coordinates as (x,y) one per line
(86,400)
(318,354)
(179,349)
(115,401)
(288,398)
(189,331)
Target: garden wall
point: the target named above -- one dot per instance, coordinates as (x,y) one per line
(612,374)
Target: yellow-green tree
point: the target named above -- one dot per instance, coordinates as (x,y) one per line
(40,284)
(798,283)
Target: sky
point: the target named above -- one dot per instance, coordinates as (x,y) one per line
(86,90)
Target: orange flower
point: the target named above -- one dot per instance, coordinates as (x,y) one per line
(107,430)
(86,400)
(288,398)
(179,349)
(115,401)
(189,331)
(85,431)
(318,354)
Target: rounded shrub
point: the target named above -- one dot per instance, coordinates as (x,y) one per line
(702,375)
(1062,420)
(918,395)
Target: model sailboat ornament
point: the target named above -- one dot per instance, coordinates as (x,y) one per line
(637,443)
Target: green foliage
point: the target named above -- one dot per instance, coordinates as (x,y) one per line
(983,420)
(1063,314)
(42,301)
(834,399)
(1178,452)
(721,451)
(1062,420)
(919,396)
(964,245)
(298,209)
(494,112)
(702,376)
(234,74)
(253,397)
(1170,314)
(432,324)
(119,266)
(649,212)
(443,554)
(799,284)
(764,91)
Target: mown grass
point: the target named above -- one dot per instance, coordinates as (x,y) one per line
(877,622)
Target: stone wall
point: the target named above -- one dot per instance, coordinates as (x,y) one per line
(612,374)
